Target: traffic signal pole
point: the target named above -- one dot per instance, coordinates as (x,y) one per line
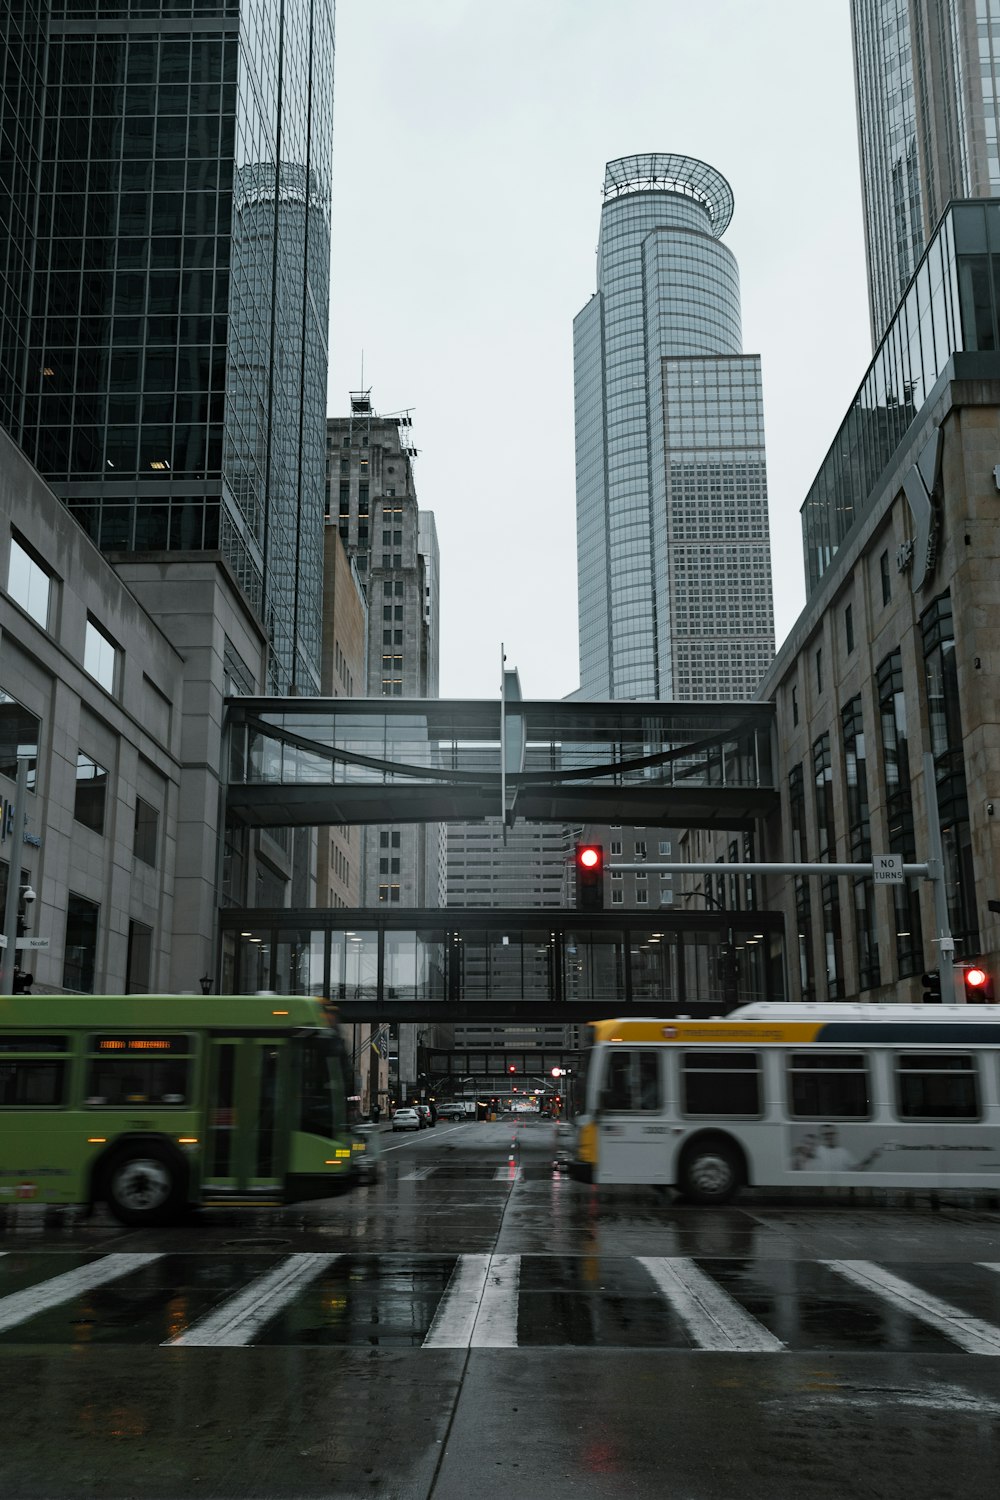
(952,981)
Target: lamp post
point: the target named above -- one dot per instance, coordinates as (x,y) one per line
(730,978)
(475,1102)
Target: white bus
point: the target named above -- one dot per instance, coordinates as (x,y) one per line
(781,1095)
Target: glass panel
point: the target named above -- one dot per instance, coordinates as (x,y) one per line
(353,965)
(300,967)
(721,1083)
(28,584)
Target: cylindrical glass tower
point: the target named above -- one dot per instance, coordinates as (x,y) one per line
(667,290)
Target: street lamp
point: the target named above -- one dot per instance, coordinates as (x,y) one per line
(206,984)
(475,1102)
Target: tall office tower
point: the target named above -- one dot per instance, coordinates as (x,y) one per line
(926,74)
(165,284)
(373,501)
(674,566)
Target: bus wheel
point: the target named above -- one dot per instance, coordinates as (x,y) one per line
(143,1184)
(710,1173)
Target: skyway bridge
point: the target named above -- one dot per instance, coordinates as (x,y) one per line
(536,965)
(296,762)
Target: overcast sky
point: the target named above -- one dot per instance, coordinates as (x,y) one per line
(470,138)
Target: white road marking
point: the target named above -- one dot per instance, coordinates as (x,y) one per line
(971,1334)
(509,1173)
(235,1323)
(459,1307)
(714,1319)
(496,1321)
(18,1307)
(417,1174)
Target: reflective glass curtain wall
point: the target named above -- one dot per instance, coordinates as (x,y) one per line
(951,306)
(174,382)
(925,76)
(668,428)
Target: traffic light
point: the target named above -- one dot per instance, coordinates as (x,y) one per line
(23,982)
(512,1067)
(932,989)
(590,877)
(978,985)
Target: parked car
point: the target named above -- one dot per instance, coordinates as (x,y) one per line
(426,1114)
(406,1119)
(455,1111)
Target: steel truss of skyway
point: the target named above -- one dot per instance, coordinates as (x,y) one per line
(320,761)
(496,966)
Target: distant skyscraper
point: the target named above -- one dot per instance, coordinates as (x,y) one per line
(373,502)
(165,282)
(674,563)
(926,74)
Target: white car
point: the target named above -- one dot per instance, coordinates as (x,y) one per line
(405,1119)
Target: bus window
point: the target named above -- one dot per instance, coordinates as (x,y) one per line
(828,1085)
(721,1083)
(632,1081)
(124,1071)
(936,1086)
(319,1096)
(31,1082)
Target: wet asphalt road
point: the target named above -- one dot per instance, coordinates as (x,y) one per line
(475,1323)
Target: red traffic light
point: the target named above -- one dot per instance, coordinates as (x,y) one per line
(511,1067)
(978,984)
(589,856)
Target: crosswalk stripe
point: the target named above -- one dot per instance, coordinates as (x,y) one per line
(417,1174)
(457,1311)
(714,1319)
(509,1173)
(496,1320)
(971,1334)
(236,1322)
(18,1307)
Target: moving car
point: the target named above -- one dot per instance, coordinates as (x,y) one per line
(456,1111)
(406,1119)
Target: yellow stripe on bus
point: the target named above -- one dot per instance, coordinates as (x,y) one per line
(706,1031)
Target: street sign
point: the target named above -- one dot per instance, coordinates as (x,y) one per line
(887,869)
(34,945)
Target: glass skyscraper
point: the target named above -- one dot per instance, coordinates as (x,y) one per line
(674,563)
(165,283)
(928,112)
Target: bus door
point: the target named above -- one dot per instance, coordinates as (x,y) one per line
(247,1128)
(633,1135)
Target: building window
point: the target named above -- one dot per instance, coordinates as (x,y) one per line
(849,628)
(146,829)
(100,656)
(28,584)
(139,962)
(899,812)
(883,568)
(819,669)
(795,704)
(616,846)
(18,738)
(617,898)
(91,792)
(80,952)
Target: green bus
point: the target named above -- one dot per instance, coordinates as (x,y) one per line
(154,1104)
